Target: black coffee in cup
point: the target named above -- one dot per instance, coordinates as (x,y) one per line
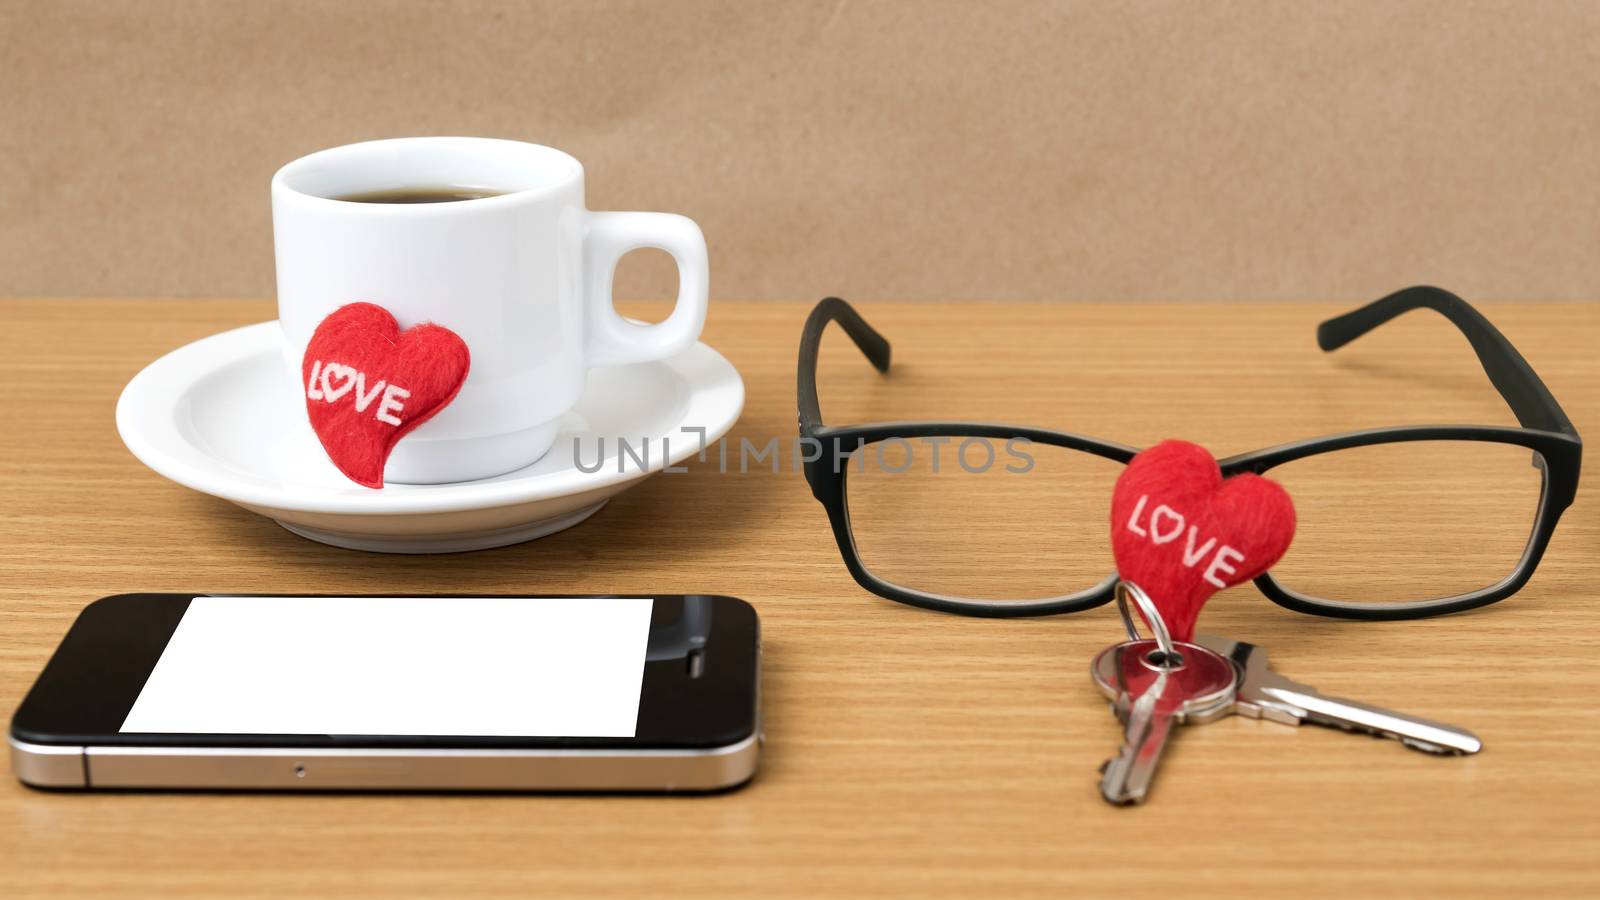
(445,194)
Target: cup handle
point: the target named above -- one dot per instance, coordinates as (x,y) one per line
(614,340)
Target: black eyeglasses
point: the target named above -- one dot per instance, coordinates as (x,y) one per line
(1005,520)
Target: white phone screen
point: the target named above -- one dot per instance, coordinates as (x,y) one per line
(458,666)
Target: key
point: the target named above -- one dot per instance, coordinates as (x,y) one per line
(1264,694)
(1150,694)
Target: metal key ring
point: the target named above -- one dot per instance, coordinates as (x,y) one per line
(1126,589)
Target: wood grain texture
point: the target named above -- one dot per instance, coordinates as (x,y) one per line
(909,753)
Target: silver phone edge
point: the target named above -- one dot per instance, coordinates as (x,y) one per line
(383,769)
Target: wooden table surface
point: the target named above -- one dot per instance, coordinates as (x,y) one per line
(909,753)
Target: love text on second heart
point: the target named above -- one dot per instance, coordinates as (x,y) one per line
(1166,524)
(332,381)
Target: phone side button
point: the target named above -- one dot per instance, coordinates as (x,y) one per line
(48,765)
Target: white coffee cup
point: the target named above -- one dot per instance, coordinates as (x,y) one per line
(523,277)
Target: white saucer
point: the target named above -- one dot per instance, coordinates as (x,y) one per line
(214,416)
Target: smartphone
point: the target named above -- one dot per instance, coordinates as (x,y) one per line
(495,693)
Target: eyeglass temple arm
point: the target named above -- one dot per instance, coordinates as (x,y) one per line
(873,344)
(1529,399)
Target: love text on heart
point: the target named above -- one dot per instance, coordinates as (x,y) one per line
(1166,525)
(331,382)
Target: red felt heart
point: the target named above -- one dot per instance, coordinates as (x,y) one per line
(1182,532)
(368,384)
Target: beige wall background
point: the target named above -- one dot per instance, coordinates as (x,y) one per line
(1139,151)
